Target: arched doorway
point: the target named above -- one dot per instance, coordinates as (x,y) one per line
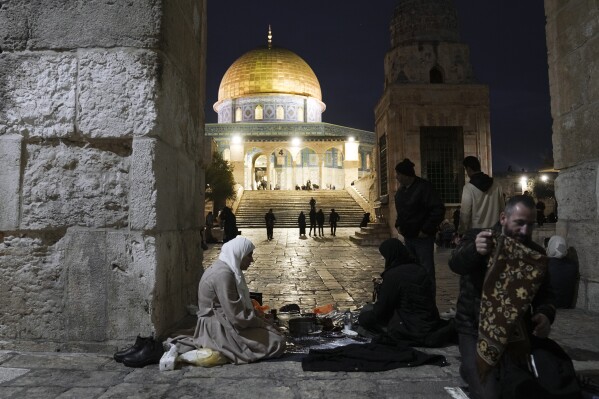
(281,171)
(333,176)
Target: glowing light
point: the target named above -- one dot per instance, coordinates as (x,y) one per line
(351,139)
(296,141)
(544,178)
(236,139)
(524,183)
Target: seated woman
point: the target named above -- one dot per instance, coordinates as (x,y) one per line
(563,272)
(227,321)
(405,310)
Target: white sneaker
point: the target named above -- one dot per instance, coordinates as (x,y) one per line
(168,359)
(448,315)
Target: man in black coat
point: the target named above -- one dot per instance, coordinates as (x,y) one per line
(333,219)
(470,260)
(270,219)
(405,310)
(419,213)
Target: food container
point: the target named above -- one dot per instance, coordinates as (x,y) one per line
(285,316)
(302,326)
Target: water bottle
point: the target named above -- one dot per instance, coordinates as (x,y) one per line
(347,322)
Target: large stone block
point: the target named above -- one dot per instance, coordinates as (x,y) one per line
(37,94)
(576,192)
(575,138)
(10,176)
(117,93)
(66,185)
(165,188)
(67,24)
(142,200)
(179,257)
(31,288)
(110,284)
(583,237)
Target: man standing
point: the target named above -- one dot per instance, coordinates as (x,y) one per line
(333,219)
(312,216)
(313,203)
(480,277)
(482,198)
(269,218)
(419,213)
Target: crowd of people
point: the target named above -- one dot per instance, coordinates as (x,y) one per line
(509,289)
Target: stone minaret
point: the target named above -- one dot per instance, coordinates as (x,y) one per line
(432,110)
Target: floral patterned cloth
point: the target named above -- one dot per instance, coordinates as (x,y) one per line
(514,275)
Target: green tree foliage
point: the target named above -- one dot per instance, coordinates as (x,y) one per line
(219,177)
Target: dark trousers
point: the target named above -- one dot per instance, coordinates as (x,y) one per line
(269,232)
(333,228)
(423,250)
(312,226)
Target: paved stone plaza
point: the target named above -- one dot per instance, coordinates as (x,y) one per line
(312,271)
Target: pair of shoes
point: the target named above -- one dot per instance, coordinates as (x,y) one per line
(149,353)
(139,343)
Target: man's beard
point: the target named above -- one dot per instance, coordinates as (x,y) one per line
(522,238)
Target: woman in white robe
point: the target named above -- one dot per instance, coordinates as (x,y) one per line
(227,321)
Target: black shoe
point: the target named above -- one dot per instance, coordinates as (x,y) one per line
(150,353)
(139,343)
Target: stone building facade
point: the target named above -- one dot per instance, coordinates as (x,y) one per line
(101,157)
(432,110)
(573,54)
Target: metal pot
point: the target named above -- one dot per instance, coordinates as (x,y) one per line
(302,326)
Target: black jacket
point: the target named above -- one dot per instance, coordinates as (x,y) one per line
(472,267)
(419,208)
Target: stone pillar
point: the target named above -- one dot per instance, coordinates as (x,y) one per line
(573,55)
(101,170)
(351,162)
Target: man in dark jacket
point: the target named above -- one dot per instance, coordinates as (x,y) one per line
(270,219)
(470,260)
(419,213)
(333,219)
(405,309)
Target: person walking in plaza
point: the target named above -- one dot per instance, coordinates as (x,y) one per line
(270,219)
(482,198)
(312,203)
(504,287)
(333,219)
(227,322)
(320,222)
(301,222)
(419,213)
(312,216)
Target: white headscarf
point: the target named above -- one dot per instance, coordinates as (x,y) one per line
(557,247)
(232,253)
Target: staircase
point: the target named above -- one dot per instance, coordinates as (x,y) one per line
(374,234)
(287,205)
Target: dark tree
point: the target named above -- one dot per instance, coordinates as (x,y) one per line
(220,184)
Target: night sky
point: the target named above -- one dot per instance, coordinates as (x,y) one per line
(345,42)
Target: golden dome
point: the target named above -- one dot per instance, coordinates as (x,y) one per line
(266,70)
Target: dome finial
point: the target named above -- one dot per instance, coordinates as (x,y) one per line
(269,37)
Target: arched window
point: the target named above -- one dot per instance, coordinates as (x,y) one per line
(259,113)
(300,114)
(238,114)
(436,75)
(280,113)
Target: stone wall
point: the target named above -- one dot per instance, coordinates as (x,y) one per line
(101,169)
(573,55)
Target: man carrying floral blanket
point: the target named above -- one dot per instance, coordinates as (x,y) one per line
(504,267)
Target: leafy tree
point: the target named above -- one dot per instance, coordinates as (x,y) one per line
(220,184)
